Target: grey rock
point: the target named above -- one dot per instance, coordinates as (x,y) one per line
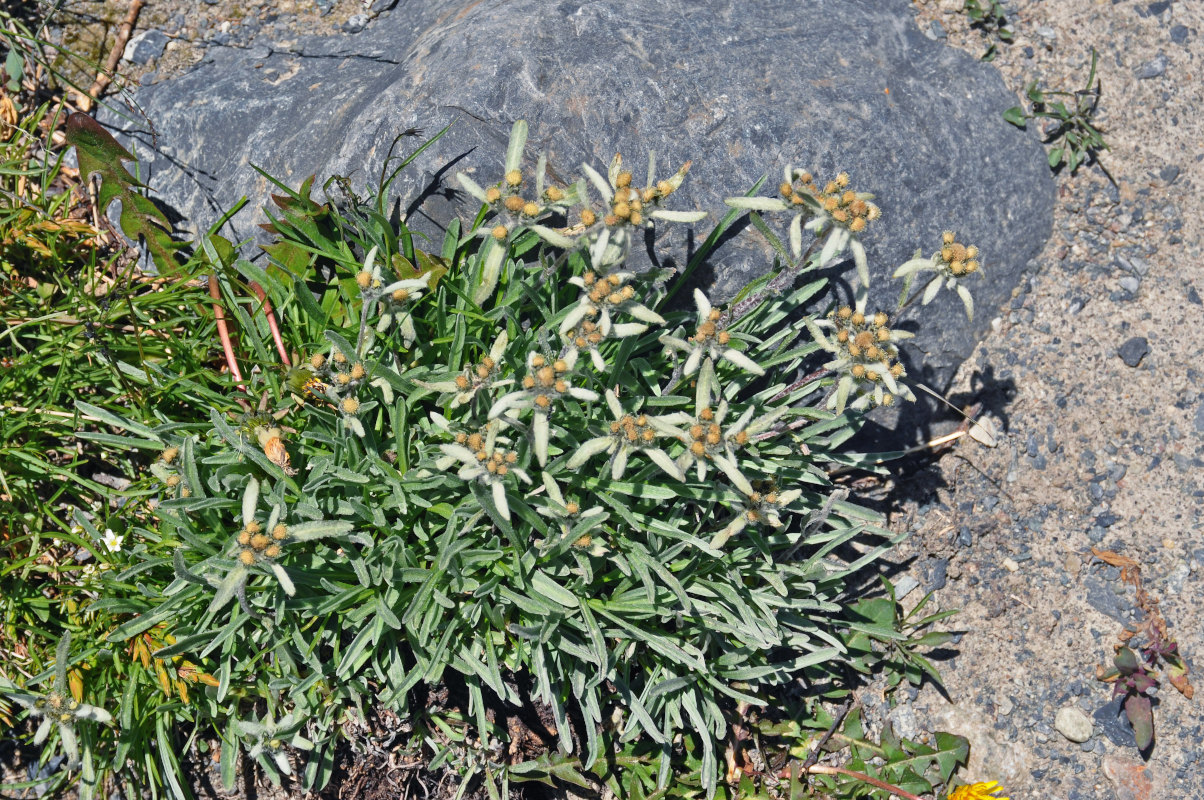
(380,6)
(1199,420)
(1193,296)
(936,31)
(1133,350)
(905,586)
(1114,724)
(1169,173)
(355,23)
(1101,597)
(707,82)
(1130,283)
(1154,68)
(1074,724)
(145,47)
(1179,34)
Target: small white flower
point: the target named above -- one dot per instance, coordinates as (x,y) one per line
(112,541)
(709,341)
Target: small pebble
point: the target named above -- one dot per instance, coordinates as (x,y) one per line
(1133,350)
(1154,68)
(1010,565)
(1179,34)
(1072,723)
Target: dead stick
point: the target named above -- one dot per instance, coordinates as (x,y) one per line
(105,76)
(820,769)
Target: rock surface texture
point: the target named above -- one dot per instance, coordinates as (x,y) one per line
(741,89)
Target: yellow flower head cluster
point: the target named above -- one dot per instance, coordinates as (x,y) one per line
(978,791)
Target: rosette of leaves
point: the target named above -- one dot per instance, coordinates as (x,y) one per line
(490,522)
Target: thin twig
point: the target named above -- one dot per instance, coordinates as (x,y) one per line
(820,769)
(823,740)
(105,76)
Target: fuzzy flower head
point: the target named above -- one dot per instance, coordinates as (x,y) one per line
(978,791)
(486,457)
(548,383)
(628,433)
(866,357)
(710,341)
(257,545)
(763,506)
(950,266)
(472,379)
(626,207)
(604,297)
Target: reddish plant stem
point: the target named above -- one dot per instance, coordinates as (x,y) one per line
(272,324)
(820,769)
(223,331)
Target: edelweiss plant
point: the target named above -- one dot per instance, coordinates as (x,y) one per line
(519,470)
(950,266)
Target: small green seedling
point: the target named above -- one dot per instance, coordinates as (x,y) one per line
(1075,138)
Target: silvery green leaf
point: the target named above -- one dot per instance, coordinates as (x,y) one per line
(622,331)
(586,395)
(70,745)
(318,529)
(843,387)
(518,140)
(930,291)
(744,362)
(93,713)
(286,583)
(575,315)
(662,460)
(914,265)
(250,499)
(692,362)
(551,487)
(618,464)
(889,380)
(300,742)
(615,167)
(541,167)
(499,500)
(707,385)
(590,449)
(282,762)
(651,168)
(541,429)
(612,403)
(598,250)
(967,301)
(757,203)
(859,259)
(553,238)
(703,304)
(731,529)
(600,183)
(796,235)
(491,269)
(386,391)
(226,590)
(355,425)
(472,188)
(596,359)
(678,216)
(645,314)
(43,731)
(499,346)
(733,473)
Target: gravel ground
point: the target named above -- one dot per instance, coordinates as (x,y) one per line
(1094,373)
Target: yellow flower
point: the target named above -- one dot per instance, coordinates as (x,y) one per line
(978,791)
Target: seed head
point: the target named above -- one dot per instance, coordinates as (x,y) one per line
(636,218)
(260,541)
(244,538)
(499,232)
(623,179)
(247,557)
(514,178)
(514,203)
(363,279)
(317,361)
(858,318)
(357,371)
(492,195)
(350,405)
(588,217)
(169,455)
(554,194)
(400,295)
(172,481)
(273,551)
(339,358)
(280,532)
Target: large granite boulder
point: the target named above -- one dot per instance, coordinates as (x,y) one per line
(741,88)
